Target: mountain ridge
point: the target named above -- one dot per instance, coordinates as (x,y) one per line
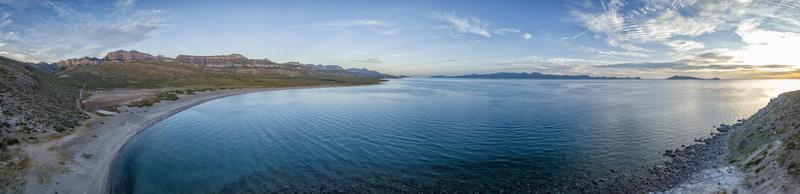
(218,62)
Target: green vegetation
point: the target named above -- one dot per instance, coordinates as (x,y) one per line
(794,168)
(793,140)
(170,95)
(756,160)
(36,101)
(170,74)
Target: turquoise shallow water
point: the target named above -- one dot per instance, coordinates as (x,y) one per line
(431,135)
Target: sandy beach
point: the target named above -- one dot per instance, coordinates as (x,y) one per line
(80,162)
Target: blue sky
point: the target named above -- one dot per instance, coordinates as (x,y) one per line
(648,38)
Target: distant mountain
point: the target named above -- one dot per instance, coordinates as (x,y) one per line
(525,75)
(232,59)
(233,62)
(47,68)
(132,55)
(678,77)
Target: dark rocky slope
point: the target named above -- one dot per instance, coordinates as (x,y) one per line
(766,147)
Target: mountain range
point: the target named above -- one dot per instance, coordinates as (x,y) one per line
(216,62)
(679,77)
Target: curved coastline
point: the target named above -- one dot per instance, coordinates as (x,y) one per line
(81,161)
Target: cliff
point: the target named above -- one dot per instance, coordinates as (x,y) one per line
(232,63)
(232,59)
(766,146)
(80,61)
(131,55)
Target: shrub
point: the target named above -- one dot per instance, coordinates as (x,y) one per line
(168,96)
(12,141)
(5,125)
(27,129)
(794,168)
(60,129)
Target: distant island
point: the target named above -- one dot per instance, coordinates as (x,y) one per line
(525,75)
(678,77)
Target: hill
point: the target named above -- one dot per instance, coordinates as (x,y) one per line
(33,105)
(766,146)
(33,102)
(678,77)
(525,75)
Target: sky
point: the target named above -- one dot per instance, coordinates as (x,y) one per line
(735,39)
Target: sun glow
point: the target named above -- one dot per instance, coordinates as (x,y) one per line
(766,47)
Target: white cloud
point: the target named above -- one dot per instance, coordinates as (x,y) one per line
(475,26)
(611,53)
(768,29)
(468,25)
(684,45)
(58,30)
(124,5)
(527,36)
(574,36)
(368,60)
(658,21)
(504,31)
(765,47)
(379,26)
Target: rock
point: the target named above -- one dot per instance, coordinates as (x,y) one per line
(232,59)
(79,61)
(131,55)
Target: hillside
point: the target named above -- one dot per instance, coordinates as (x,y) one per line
(766,147)
(679,77)
(134,69)
(171,74)
(33,105)
(32,102)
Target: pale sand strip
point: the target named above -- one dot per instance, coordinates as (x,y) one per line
(81,161)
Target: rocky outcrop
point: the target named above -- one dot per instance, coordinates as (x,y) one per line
(232,59)
(80,61)
(231,62)
(766,146)
(131,55)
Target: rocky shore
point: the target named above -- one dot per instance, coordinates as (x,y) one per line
(683,164)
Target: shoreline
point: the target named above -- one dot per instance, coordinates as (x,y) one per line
(81,161)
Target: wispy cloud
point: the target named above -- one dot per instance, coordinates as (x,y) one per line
(469,25)
(527,36)
(504,31)
(59,30)
(705,61)
(379,26)
(368,60)
(684,45)
(766,28)
(474,25)
(574,36)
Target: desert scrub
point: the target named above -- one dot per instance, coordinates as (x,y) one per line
(794,168)
(11,141)
(757,160)
(150,101)
(793,140)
